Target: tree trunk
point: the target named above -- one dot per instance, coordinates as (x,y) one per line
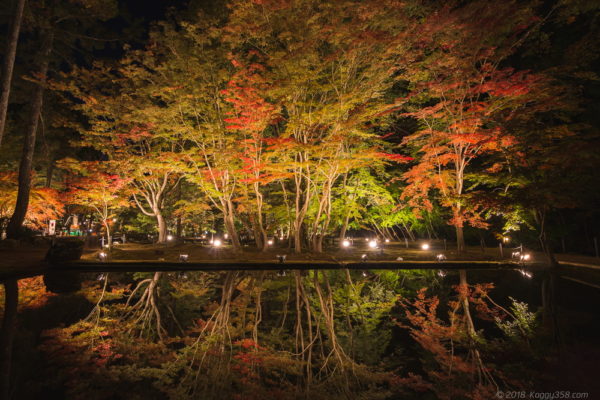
(25,166)
(9,63)
(9,325)
(540,218)
(108,237)
(231,231)
(162,227)
(344,229)
(178,224)
(460,239)
(298,236)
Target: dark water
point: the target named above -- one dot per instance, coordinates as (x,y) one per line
(377,334)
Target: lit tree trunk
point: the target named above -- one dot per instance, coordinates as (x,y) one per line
(460,237)
(230,225)
(162,226)
(9,325)
(108,237)
(344,227)
(260,233)
(25,166)
(9,63)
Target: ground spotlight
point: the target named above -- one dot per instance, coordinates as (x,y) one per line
(102,256)
(364,257)
(346,243)
(441,257)
(217,243)
(281,258)
(270,242)
(425,246)
(169,237)
(373,244)
(183,257)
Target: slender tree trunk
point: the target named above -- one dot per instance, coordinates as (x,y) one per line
(162,226)
(460,239)
(49,174)
(108,237)
(9,326)
(9,62)
(25,167)
(540,217)
(344,228)
(230,228)
(178,224)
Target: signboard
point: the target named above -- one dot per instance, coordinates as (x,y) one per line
(52,227)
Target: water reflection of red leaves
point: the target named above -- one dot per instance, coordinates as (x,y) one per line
(33,293)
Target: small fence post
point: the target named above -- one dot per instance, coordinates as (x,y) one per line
(501,250)
(596,246)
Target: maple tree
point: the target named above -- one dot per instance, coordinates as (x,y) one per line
(45,203)
(464,99)
(94,188)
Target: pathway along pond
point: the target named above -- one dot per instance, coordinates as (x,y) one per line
(328,334)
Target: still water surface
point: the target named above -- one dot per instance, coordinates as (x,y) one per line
(347,334)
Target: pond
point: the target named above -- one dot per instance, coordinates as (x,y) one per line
(290,334)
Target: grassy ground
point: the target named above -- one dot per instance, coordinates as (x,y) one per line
(29,258)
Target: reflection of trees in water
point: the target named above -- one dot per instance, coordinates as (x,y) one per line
(144,315)
(317,334)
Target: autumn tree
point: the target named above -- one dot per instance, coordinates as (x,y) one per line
(462,98)
(45,203)
(328,88)
(96,189)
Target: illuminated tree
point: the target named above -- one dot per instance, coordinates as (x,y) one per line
(96,189)
(45,203)
(463,100)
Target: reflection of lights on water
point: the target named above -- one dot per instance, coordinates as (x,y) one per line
(425,246)
(346,243)
(364,274)
(526,274)
(217,243)
(441,273)
(281,273)
(100,277)
(373,244)
(440,257)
